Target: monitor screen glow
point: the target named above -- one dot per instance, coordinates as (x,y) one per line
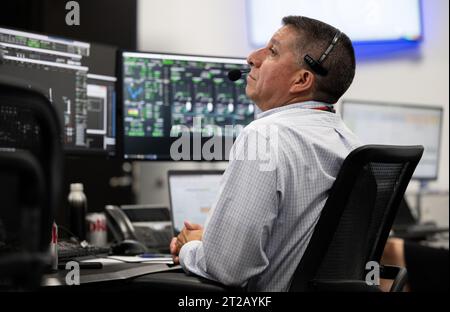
(362,21)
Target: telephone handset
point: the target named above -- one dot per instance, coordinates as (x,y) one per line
(124,233)
(120,225)
(148,224)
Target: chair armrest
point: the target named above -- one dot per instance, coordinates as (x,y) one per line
(396,273)
(178,281)
(342,286)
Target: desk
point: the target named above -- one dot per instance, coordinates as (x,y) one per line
(111,271)
(133,277)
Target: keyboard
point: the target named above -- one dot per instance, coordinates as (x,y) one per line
(153,238)
(68,250)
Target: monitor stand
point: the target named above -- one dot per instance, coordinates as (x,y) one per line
(422,187)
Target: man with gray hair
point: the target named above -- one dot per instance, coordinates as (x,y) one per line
(264,217)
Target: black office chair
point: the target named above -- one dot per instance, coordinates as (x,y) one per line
(352,229)
(21,260)
(356,221)
(30,175)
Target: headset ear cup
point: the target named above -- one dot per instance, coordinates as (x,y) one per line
(309,60)
(315,66)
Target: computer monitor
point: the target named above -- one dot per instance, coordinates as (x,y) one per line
(166,94)
(192,194)
(101,131)
(376,21)
(72,75)
(397,124)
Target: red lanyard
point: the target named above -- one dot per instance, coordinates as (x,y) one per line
(325,108)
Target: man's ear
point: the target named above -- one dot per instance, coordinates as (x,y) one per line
(304,82)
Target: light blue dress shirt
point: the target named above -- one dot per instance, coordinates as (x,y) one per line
(268,205)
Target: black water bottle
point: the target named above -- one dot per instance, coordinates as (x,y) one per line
(78,208)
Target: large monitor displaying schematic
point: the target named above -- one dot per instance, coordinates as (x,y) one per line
(70,74)
(165,95)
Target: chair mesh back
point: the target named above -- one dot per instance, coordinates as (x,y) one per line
(367,209)
(355,222)
(19,129)
(29,123)
(9,222)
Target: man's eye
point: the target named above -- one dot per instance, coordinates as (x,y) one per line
(272,51)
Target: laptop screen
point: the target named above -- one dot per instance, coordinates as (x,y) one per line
(192,194)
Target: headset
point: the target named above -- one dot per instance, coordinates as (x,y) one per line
(316,65)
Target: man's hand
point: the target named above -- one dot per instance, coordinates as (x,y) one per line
(174,251)
(394,252)
(189,233)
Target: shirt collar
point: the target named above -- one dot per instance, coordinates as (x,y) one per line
(301,105)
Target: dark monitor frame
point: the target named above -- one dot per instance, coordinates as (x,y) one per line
(75,152)
(121,106)
(97,152)
(405,105)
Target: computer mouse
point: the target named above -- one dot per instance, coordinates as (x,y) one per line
(128,247)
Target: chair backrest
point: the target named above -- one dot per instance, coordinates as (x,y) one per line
(358,215)
(30,171)
(21,259)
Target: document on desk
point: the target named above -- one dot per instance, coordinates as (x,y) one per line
(103,260)
(139,259)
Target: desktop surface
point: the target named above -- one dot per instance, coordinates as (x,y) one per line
(111,271)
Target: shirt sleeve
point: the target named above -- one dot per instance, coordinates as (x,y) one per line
(232,249)
(192,259)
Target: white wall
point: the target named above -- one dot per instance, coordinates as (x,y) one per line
(208,27)
(218,27)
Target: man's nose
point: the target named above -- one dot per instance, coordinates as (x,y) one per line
(255,58)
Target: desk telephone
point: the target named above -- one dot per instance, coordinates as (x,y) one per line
(147,224)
